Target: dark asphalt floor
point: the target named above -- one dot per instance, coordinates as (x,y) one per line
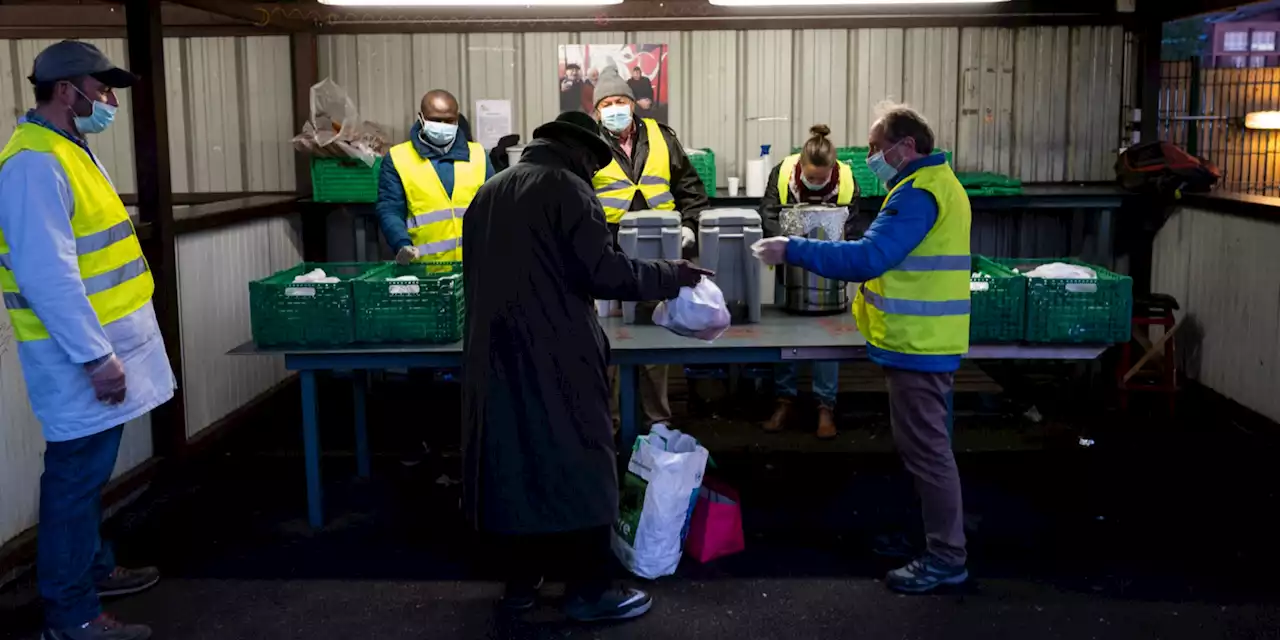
(1159,530)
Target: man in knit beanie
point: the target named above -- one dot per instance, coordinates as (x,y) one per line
(650,170)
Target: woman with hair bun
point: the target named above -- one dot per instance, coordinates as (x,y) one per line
(813,176)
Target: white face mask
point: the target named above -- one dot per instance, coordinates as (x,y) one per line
(440,134)
(616,118)
(814,186)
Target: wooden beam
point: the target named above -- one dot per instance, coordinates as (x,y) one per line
(155,203)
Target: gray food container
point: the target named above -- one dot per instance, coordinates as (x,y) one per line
(651,235)
(725,237)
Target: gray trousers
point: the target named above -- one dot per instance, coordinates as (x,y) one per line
(920,412)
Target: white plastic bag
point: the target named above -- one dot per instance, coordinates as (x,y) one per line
(658,496)
(699,312)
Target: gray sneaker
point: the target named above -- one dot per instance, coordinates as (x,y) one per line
(615,604)
(123,582)
(104,627)
(924,574)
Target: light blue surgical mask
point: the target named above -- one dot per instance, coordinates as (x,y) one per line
(440,134)
(881,167)
(814,186)
(98,121)
(616,118)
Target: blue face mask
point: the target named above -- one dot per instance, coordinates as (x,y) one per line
(98,121)
(616,118)
(440,134)
(881,167)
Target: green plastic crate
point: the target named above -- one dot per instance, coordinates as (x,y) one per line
(705,164)
(344,180)
(1076,311)
(305,314)
(998,309)
(434,314)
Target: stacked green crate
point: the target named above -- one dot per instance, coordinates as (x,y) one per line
(430,309)
(704,162)
(1071,310)
(284,312)
(985,183)
(997,303)
(344,180)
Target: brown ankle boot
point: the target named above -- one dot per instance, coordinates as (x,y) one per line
(779,420)
(826,423)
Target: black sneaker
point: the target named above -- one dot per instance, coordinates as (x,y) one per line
(924,574)
(123,582)
(520,596)
(615,604)
(104,627)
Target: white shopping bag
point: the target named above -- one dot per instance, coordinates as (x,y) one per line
(698,312)
(658,496)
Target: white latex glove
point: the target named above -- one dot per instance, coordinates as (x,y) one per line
(406,254)
(107,376)
(771,251)
(686,237)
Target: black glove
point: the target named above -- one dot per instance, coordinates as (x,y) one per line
(689,274)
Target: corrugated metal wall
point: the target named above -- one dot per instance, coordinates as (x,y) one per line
(1041,103)
(1220,269)
(213,267)
(230,111)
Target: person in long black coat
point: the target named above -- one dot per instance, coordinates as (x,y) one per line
(540,462)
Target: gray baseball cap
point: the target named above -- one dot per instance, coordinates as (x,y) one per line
(71,59)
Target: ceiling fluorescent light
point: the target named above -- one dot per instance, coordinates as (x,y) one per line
(1262,120)
(841,3)
(467,3)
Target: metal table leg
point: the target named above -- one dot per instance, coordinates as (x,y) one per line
(627,406)
(311,448)
(359,384)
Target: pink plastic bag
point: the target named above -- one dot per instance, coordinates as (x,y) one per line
(715,530)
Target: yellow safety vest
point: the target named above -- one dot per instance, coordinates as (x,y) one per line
(921,306)
(616,190)
(115,275)
(847,184)
(435,217)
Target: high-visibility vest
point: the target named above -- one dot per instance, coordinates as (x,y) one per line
(843,196)
(114,273)
(616,191)
(435,216)
(921,306)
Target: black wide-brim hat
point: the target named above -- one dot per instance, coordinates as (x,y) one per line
(575,127)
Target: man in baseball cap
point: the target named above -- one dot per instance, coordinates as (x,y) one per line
(77,290)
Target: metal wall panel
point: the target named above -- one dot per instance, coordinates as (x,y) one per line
(1219,268)
(1040,106)
(985,135)
(1040,103)
(213,267)
(930,80)
(230,111)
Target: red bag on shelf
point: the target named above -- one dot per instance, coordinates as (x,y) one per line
(715,530)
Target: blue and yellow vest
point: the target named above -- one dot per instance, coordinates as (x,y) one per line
(113,271)
(435,216)
(616,191)
(921,306)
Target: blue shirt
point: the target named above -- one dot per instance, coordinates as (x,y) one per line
(393,205)
(36,207)
(902,224)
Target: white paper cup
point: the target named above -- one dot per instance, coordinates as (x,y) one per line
(733,187)
(602,308)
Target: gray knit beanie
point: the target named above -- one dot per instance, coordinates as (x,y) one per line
(611,84)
